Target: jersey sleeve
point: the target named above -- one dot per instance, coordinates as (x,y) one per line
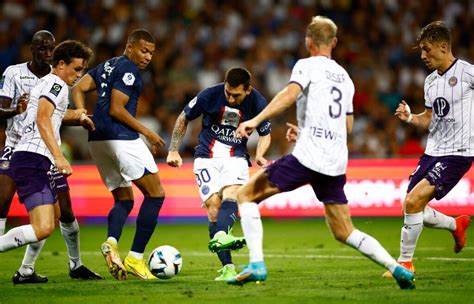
(299,75)
(7,84)
(53,91)
(350,105)
(93,72)
(195,107)
(265,127)
(428,102)
(126,76)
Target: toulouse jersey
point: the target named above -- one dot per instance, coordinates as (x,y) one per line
(16,81)
(450,97)
(56,91)
(220,120)
(121,74)
(322,106)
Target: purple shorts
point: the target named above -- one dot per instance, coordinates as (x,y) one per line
(37,180)
(287,174)
(443,172)
(5,158)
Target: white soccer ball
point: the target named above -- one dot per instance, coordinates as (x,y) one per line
(165,262)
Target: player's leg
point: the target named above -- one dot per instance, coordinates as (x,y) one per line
(227,271)
(147,218)
(339,221)
(7,191)
(70,232)
(104,154)
(223,239)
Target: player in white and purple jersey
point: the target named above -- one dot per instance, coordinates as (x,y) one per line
(449,96)
(37,158)
(221,159)
(323,93)
(15,86)
(120,155)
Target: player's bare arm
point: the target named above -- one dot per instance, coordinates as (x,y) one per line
(421,120)
(118,101)
(45,128)
(78,117)
(292,132)
(84,85)
(349,123)
(174,159)
(262,147)
(7,112)
(282,101)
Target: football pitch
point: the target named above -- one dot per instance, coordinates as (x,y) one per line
(305,265)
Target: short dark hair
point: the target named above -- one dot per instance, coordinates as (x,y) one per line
(140,34)
(435,32)
(237,76)
(70,49)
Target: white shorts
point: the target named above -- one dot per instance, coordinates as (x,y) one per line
(121,161)
(212,174)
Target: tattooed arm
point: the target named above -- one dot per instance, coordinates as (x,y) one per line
(179,130)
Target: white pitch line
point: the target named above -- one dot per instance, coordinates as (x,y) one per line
(275,255)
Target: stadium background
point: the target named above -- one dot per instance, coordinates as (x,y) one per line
(198,40)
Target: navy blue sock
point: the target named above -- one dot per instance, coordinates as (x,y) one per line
(146,222)
(227,215)
(117,217)
(224,256)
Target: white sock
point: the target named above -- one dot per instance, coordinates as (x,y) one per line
(436,219)
(17,237)
(371,248)
(70,232)
(411,230)
(253,231)
(31,254)
(136,255)
(3,223)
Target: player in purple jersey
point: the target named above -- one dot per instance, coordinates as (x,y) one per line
(120,155)
(220,164)
(36,174)
(16,84)
(449,151)
(323,92)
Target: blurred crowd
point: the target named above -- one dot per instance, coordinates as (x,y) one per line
(198,40)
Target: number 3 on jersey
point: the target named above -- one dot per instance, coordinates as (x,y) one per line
(335,109)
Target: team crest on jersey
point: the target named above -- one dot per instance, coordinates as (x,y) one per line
(55,89)
(2,80)
(453,81)
(231,117)
(128,79)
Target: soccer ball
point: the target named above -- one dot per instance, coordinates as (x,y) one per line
(165,262)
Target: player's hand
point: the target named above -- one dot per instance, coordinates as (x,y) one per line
(261,161)
(22,103)
(403,111)
(86,122)
(174,159)
(63,165)
(292,132)
(155,141)
(245,129)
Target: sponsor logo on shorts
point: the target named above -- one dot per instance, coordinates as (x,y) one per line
(4,165)
(205,190)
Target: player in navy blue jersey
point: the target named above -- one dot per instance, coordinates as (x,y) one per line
(15,86)
(120,155)
(221,159)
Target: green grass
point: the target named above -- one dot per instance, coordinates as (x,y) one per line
(305,266)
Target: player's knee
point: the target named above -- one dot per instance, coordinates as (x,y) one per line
(44,229)
(212,211)
(412,203)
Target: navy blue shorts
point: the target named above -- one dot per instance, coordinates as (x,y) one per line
(34,173)
(443,172)
(5,158)
(287,174)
